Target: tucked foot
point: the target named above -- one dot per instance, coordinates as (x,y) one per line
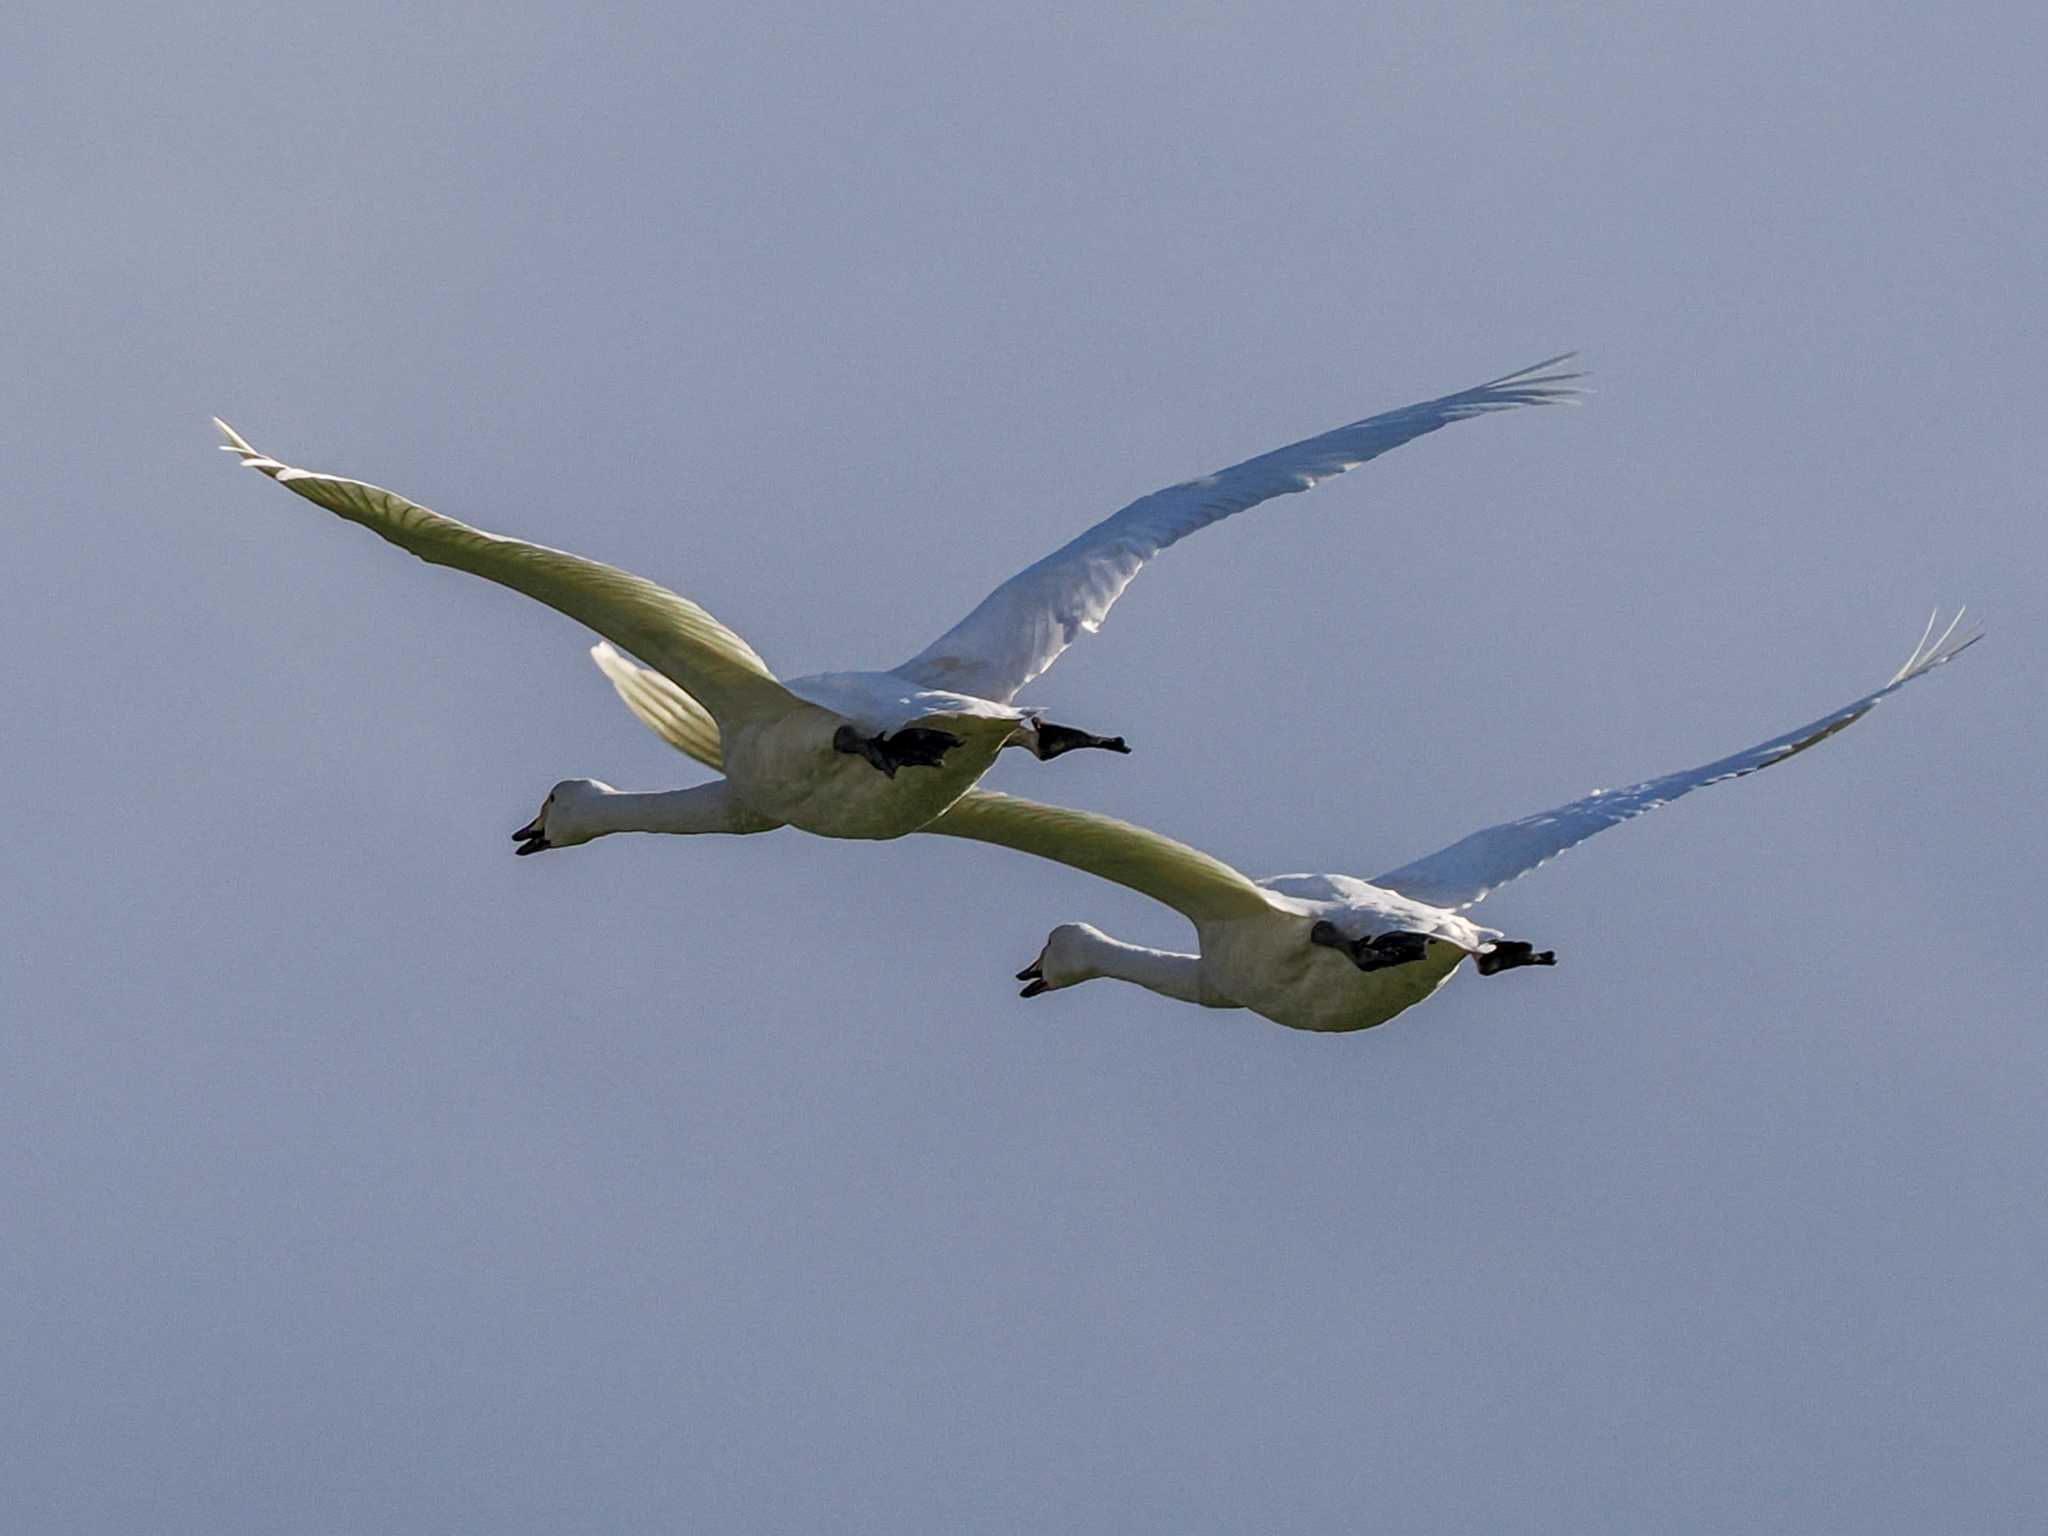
(1389,949)
(1051,740)
(1371,952)
(1509,953)
(1035,979)
(913,747)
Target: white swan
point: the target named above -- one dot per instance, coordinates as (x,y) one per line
(1317,952)
(806,752)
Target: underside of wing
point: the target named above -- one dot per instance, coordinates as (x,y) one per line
(670,632)
(662,707)
(1021,628)
(1184,878)
(1463,873)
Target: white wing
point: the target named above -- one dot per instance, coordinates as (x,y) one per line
(675,635)
(1020,628)
(888,701)
(1462,874)
(663,708)
(1184,878)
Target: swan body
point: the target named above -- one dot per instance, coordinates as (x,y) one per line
(1279,947)
(785,766)
(1323,952)
(879,754)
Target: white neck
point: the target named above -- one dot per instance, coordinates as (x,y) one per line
(704,808)
(1156,970)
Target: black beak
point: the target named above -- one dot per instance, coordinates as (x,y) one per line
(1057,740)
(533,837)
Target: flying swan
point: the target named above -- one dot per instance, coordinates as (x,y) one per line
(1316,952)
(826,753)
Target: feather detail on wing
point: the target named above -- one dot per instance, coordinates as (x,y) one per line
(670,632)
(1462,874)
(662,707)
(1184,878)
(1021,628)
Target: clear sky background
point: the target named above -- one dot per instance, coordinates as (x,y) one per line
(356,1175)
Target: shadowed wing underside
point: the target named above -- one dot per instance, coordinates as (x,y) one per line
(1021,628)
(669,632)
(1462,874)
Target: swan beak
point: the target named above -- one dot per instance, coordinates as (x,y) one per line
(533,837)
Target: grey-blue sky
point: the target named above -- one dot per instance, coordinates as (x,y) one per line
(360,1174)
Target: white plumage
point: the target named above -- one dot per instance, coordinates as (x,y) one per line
(933,725)
(1299,949)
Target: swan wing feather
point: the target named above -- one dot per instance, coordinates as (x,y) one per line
(1190,881)
(1021,627)
(1462,874)
(662,707)
(672,633)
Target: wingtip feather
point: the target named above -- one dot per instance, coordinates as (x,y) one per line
(1933,651)
(1533,385)
(251,459)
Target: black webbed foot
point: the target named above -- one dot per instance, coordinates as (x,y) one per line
(1371,952)
(1034,976)
(1389,949)
(1052,740)
(913,747)
(1509,953)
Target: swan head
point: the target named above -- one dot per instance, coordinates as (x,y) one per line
(1067,959)
(564,819)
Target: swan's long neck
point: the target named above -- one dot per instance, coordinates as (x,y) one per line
(704,808)
(1157,970)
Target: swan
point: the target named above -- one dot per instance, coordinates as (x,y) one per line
(1316,952)
(829,753)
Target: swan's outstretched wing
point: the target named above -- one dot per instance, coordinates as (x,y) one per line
(1020,628)
(1184,878)
(672,633)
(1462,874)
(663,708)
